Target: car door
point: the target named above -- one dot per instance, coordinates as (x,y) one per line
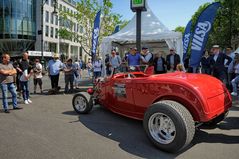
(123,95)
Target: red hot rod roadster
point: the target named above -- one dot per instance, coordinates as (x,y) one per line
(171,105)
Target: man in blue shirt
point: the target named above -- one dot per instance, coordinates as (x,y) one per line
(54,67)
(134,57)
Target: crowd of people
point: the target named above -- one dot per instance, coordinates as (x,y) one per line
(224,66)
(15,76)
(152,63)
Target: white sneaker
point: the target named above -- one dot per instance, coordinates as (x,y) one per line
(234,94)
(26,102)
(29,101)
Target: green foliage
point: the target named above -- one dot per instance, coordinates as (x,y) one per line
(180,29)
(197,14)
(226,24)
(85,16)
(194,21)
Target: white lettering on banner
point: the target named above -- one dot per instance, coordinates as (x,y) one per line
(95,36)
(186,42)
(201,30)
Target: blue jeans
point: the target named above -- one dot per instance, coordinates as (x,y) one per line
(235,83)
(25,90)
(69,79)
(89,73)
(11,87)
(97,74)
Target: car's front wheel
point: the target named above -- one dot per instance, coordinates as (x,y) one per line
(82,103)
(169,125)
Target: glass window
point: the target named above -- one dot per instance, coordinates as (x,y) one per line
(68,10)
(56,33)
(47,2)
(64,8)
(56,19)
(1,18)
(61,21)
(25,26)
(81,29)
(47,17)
(47,31)
(52,32)
(52,18)
(1,24)
(60,7)
(52,3)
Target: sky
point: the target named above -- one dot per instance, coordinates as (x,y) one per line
(171,13)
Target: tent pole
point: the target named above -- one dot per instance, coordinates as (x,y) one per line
(138,29)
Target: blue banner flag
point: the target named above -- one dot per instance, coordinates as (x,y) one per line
(117,29)
(95,34)
(201,33)
(186,38)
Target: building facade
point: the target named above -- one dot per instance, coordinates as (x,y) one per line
(52,23)
(17,26)
(20,28)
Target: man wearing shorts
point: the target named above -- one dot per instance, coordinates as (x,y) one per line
(37,78)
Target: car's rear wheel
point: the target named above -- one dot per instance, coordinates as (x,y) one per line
(169,125)
(82,103)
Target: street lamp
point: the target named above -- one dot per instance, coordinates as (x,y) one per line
(42,21)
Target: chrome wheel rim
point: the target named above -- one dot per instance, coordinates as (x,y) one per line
(161,128)
(80,103)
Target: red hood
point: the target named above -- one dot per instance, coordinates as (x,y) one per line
(208,85)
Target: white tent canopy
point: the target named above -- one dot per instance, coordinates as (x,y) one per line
(152,30)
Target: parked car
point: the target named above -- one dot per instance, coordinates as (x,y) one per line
(170,105)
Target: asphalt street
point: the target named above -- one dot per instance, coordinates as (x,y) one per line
(50,129)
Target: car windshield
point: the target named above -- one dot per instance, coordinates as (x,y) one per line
(128,69)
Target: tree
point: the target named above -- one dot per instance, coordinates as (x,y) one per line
(197,14)
(180,29)
(226,24)
(86,11)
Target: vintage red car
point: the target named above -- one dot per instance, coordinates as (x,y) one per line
(171,105)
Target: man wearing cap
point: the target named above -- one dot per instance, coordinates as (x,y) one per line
(217,62)
(172,60)
(37,77)
(54,67)
(147,56)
